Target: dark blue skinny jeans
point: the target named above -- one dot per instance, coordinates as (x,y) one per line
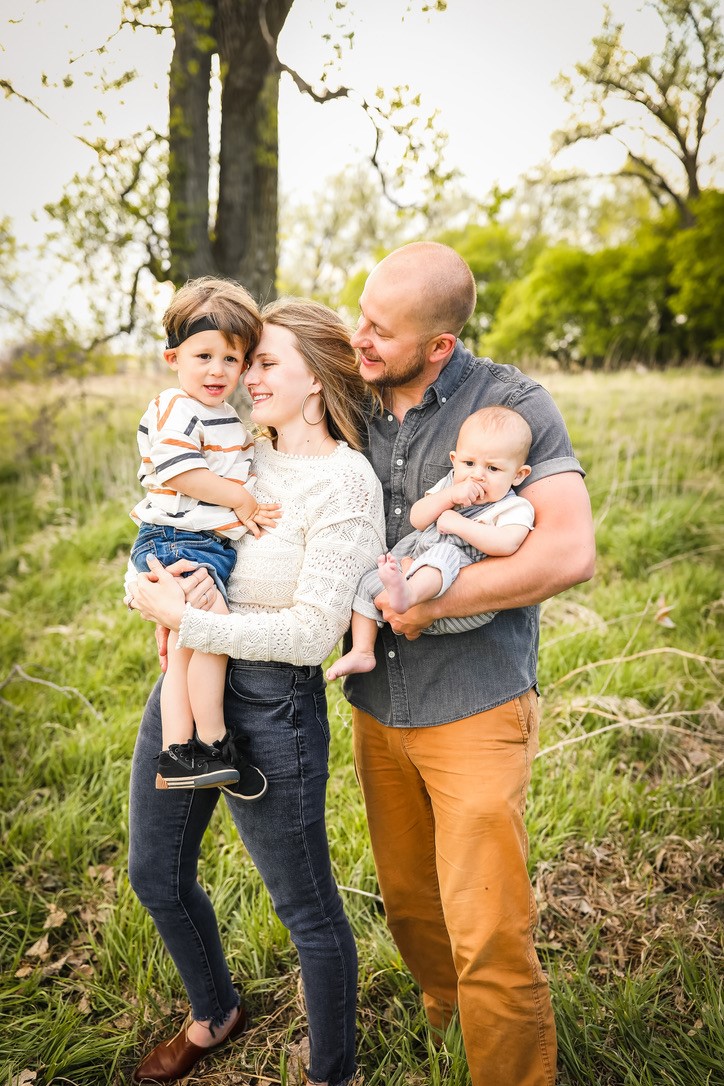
(282,711)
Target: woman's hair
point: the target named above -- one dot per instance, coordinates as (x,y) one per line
(230,306)
(323,340)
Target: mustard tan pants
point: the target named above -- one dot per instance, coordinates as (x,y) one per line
(445,808)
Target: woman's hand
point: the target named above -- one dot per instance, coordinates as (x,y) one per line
(159,596)
(199,590)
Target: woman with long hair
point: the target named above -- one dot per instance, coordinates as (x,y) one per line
(290,599)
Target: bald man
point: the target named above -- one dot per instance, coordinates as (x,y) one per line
(446,727)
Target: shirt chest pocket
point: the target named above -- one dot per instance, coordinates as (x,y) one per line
(432,473)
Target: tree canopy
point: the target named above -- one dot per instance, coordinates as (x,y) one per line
(195,200)
(586,273)
(656,104)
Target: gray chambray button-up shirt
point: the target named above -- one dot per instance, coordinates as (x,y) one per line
(435,680)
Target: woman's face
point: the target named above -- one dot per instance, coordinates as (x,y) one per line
(278,379)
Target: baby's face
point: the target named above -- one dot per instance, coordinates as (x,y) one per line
(492,459)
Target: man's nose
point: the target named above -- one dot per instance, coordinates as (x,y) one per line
(360,336)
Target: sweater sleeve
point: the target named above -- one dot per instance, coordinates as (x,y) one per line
(340,547)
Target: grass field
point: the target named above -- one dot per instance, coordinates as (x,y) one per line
(624,812)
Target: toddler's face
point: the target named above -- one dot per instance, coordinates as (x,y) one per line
(492,459)
(208,368)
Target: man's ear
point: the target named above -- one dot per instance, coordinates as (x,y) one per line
(170,357)
(441,346)
(521,474)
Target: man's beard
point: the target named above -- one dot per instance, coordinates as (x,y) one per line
(409,371)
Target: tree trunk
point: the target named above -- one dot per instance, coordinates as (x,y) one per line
(188,168)
(243,244)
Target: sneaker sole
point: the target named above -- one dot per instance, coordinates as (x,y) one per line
(249,799)
(208,780)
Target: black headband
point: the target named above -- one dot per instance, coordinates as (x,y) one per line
(203,324)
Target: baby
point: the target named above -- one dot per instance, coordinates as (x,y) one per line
(471,513)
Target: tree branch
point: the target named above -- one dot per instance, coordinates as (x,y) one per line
(666,650)
(362,893)
(674,88)
(10,92)
(135,24)
(700,776)
(127,328)
(327,95)
(651,177)
(647,724)
(16,670)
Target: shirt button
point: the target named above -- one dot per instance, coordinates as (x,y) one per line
(390,418)
(398,510)
(444,399)
(391,654)
(400,463)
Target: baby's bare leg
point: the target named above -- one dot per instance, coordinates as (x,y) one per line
(177,717)
(424,584)
(361,657)
(206,679)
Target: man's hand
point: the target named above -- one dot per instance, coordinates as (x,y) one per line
(409,624)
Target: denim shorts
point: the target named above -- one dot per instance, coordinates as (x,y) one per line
(169,544)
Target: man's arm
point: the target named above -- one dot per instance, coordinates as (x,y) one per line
(558,554)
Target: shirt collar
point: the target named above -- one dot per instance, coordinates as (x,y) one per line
(451,376)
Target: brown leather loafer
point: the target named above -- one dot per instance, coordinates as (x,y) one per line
(172,1060)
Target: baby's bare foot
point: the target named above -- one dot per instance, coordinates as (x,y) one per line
(392,577)
(354,662)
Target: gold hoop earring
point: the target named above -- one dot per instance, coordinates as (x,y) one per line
(324,409)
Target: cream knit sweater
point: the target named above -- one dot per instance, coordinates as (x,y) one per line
(291,591)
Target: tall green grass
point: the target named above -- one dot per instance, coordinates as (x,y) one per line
(624,823)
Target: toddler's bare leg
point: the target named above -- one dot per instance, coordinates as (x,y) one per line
(424,584)
(361,657)
(206,679)
(177,717)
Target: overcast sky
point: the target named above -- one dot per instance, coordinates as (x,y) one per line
(487,65)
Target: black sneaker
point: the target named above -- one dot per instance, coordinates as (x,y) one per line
(185,765)
(252,784)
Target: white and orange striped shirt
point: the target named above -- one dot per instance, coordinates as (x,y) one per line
(177,434)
